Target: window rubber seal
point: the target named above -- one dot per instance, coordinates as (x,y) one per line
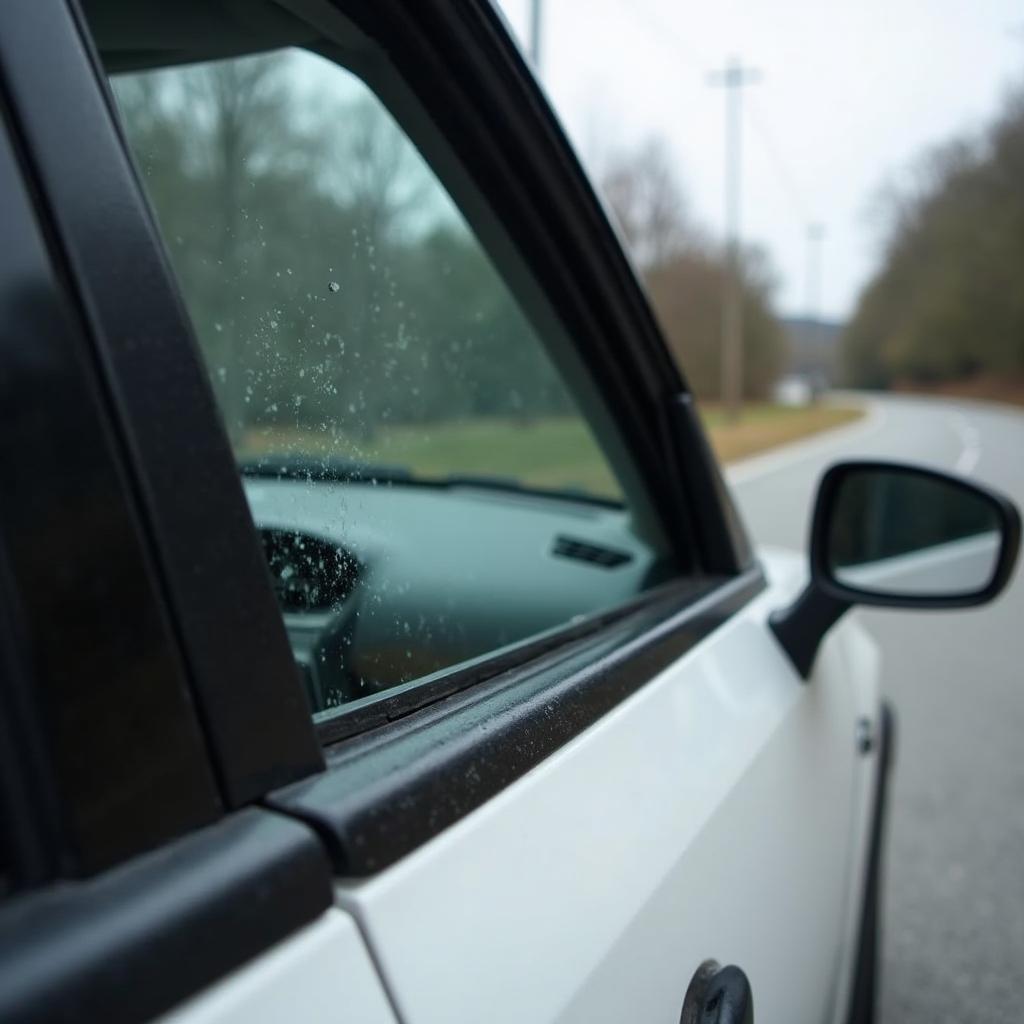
(391,789)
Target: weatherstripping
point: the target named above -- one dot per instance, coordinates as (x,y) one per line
(391,789)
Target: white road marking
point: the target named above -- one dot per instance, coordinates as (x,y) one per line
(771,462)
(970,443)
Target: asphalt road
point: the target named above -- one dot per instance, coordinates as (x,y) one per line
(954,899)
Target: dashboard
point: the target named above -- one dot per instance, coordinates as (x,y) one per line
(380,584)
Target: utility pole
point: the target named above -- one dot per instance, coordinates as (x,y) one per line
(815,235)
(535,25)
(732,78)
(815,357)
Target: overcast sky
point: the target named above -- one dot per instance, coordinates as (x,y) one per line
(850,94)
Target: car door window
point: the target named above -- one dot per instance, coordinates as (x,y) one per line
(431,472)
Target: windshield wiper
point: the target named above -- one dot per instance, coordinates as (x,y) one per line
(331,469)
(511,485)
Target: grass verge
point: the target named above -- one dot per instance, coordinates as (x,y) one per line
(768,426)
(556,452)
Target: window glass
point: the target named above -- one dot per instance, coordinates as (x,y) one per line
(425,484)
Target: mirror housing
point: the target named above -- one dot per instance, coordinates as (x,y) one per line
(897,536)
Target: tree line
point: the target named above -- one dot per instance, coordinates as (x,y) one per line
(948,302)
(332,284)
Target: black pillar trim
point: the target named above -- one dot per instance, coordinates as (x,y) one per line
(207,555)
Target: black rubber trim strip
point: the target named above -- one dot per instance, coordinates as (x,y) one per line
(389,791)
(131,944)
(370,712)
(244,680)
(864,996)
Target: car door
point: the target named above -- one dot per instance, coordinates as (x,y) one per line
(566,761)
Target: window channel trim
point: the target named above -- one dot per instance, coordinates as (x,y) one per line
(392,789)
(362,715)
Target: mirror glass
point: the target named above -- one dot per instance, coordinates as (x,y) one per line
(898,533)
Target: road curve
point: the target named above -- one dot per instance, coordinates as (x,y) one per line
(954,901)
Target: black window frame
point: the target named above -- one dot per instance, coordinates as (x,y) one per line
(469,75)
(162,406)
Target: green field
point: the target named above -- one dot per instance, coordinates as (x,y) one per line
(550,453)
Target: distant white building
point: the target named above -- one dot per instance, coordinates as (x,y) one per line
(813,351)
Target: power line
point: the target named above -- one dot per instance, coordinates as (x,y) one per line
(667,37)
(662,33)
(665,33)
(784,173)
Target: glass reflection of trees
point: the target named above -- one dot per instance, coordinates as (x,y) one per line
(333,285)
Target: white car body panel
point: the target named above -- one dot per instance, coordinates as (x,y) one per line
(718,812)
(322,975)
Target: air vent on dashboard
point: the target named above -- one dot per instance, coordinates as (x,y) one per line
(586,551)
(309,574)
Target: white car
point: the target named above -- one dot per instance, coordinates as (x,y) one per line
(378,639)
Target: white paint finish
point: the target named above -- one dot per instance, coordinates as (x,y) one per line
(708,815)
(321,975)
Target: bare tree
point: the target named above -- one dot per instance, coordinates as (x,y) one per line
(643,191)
(376,168)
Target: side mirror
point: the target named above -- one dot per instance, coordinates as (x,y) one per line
(898,536)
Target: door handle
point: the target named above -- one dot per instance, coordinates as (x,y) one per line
(718,995)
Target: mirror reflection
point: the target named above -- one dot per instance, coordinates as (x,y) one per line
(899,533)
